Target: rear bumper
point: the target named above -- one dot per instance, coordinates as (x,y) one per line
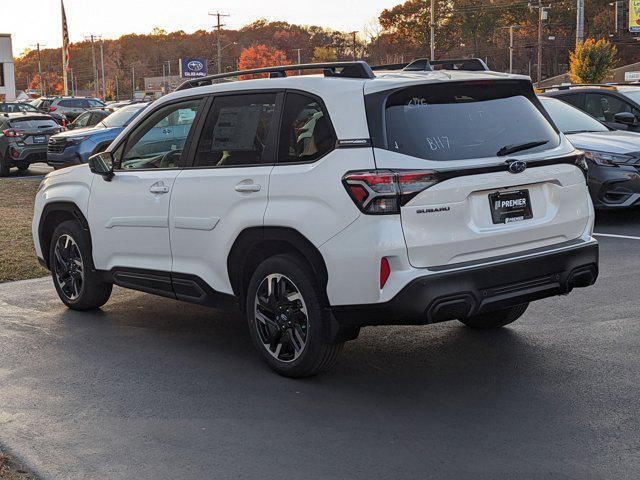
(27,155)
(475,289)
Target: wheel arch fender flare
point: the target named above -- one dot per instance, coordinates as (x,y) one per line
(255,244)
(53,213)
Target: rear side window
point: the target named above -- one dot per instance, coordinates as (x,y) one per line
(306,132)
(464,120)
(73,103)
(236,131)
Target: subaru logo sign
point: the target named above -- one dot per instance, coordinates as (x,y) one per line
(193,67)
(517,166)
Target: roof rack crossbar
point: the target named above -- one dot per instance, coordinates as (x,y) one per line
(358,69)
(426,65)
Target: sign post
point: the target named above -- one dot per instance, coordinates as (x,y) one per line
(195,67)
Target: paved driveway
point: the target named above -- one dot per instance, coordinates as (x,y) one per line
(150,388)
(36,171)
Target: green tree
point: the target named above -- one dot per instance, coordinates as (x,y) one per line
(324,54)
(592,62)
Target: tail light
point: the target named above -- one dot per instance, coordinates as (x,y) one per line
(385,271)
(11,133)
(52,109)
(383,192)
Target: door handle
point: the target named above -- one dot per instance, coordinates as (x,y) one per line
(159,187)
(248,187)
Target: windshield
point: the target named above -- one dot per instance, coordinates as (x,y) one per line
(16,107)
(463,120)
(121,117)
(569,119)
(632,94)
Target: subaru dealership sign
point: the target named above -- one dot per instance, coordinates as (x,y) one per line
(193,67)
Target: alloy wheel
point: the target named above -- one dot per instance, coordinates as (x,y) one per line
(281,318)
(68,267)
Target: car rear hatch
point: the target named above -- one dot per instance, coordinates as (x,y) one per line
(34,131)
(479,171)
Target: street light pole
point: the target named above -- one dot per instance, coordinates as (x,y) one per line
(104,85)
(432,35)
(580,22)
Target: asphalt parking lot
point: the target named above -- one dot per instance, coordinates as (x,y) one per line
(36,171)
(150,388)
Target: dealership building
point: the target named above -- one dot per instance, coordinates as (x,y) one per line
(7,76)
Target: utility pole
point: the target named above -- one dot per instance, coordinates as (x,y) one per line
(353,36)
(580,22)
(219,26)
(40,79)
(539,76)
(133,82)
(104,85)
(298,50)
(117,90)
(511,45)
(432,36)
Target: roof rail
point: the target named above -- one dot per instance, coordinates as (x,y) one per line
(426,65)
(357,69)
(606,86)
(469,64)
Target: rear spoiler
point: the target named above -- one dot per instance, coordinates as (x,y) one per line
(426,65)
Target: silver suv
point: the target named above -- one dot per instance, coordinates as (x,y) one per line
(70,107)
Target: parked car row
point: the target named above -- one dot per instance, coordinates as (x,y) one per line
(90,132)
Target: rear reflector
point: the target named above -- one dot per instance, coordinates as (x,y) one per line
(385,271)
(383,192)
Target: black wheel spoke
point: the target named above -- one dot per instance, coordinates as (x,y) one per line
(280,317)
(68,267)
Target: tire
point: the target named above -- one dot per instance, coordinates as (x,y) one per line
(78,284)
(23,168)
(4,168)
(297,322)
(496,319)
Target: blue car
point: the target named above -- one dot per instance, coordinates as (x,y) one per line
(74,147)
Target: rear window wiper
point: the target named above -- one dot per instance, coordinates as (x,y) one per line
(509,149)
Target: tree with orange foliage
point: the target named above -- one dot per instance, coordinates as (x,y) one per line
(260,56)
(52,83)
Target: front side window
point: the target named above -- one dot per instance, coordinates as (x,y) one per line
(569,119)
(236,131)
(466,120)
(604,107)
(82,120)
(159,140)
(306,132)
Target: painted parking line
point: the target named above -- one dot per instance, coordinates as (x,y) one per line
(611,235)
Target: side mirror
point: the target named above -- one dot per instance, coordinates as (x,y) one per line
(102,164)
(626,118)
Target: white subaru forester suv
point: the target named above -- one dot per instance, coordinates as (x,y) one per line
(323,203)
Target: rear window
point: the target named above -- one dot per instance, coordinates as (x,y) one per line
(463,120)
(32,124)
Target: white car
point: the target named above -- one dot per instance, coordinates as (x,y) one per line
(320,204)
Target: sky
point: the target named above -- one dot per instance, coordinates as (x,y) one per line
(113,18)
